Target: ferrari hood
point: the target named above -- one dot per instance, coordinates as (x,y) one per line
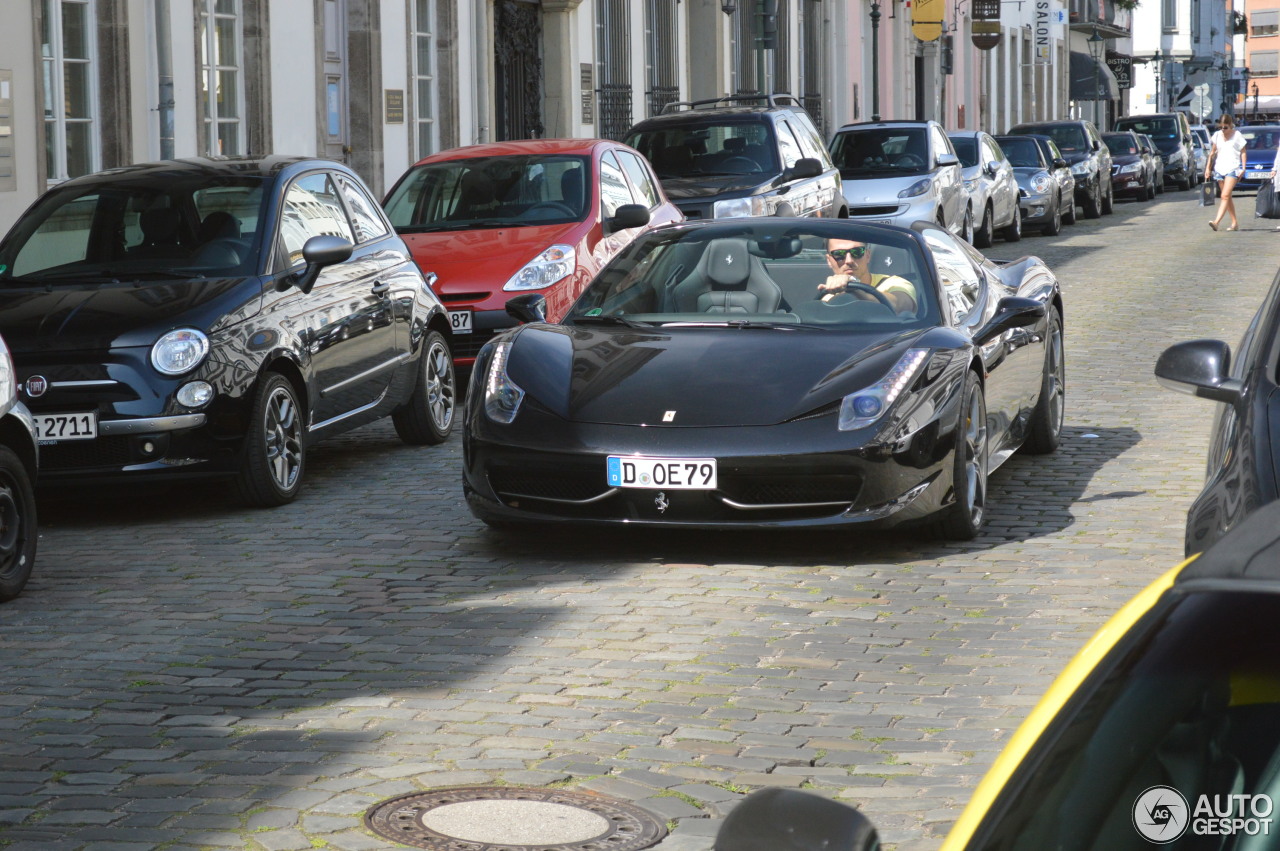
(696,376)
(70,317)
(483,260)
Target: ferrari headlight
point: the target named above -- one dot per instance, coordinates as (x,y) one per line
(920,187)
(1083,168)
(1040,183)
(554,264)
(502,396)
(1131,168)
(179,351)
(753,206)
(863,407)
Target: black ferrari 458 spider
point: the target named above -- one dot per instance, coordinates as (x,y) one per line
(771,373)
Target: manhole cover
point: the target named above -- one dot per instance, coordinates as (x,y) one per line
(477,818)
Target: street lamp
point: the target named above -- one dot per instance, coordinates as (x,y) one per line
(875,60)
(1096,46)
(728,6)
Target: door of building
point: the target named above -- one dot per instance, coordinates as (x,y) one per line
(517,47)
(337,123)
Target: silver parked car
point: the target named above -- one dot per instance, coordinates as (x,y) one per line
(992,185)
(900,172)
(1042,197)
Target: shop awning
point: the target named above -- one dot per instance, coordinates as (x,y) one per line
(1091,79)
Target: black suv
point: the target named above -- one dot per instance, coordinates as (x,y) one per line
(753,155)
(1090,160)
(1172,135)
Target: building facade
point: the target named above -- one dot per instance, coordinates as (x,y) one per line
(92,84)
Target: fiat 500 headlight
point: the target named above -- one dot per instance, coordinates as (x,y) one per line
(554,264)
(502,396)
(1040,183)
(863,407)
(179,351)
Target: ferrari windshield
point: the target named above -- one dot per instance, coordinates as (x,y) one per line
(138,228)
(765,273)
(492,192)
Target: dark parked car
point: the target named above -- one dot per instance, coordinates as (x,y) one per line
(215,318)
(741,155)
(1133,174)
(19,457)
(1042,197)
(703,380)
(1245,441)
(1090,161)
(1172,135)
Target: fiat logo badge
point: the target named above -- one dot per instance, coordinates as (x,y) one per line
(37,386)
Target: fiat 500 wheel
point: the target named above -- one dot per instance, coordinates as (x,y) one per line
(427,418)
(275,453)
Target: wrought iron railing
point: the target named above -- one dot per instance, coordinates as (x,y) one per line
(614,101)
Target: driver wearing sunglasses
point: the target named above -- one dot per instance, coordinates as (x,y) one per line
(850,263)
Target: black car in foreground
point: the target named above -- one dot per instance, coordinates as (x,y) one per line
(703,379)
(741,155)
(215,318)
(19,460)
(1244,444)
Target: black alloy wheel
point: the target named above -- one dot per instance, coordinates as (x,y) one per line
(1093,202)
(1045,430)
(1109,200)
(962,520)
(275,453)
(18,528)
(427,418)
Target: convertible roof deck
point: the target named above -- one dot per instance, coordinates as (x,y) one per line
(1249,551)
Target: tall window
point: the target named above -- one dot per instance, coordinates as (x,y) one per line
(1169,15)
(613,69)
(70,87)
(221,80)
(424,77)
(661,36)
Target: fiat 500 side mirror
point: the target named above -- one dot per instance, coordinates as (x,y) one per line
(319,252)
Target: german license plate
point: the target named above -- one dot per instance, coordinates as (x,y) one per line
(55,428)
(460,321)
(634,471)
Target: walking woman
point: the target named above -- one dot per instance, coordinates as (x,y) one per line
(1227,161)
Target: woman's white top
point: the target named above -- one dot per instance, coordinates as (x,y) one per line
(1228,157)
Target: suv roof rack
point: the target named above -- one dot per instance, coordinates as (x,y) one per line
(729,101)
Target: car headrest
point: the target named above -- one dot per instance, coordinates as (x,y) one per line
(728,263)
(159,224)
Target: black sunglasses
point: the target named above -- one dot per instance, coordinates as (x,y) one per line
(838,254)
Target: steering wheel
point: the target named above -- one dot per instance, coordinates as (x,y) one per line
(909,161)
(863,288)
(556,206)
(742,164)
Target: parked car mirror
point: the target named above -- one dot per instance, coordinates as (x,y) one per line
(775,819)
(948,159)
(627,216)
(319,252)
(532,307)
(1097,146)
(992,168)
(805,167)
(1059,162)
(1011,312)
(1201,368)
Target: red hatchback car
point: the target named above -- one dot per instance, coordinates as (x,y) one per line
(489,222)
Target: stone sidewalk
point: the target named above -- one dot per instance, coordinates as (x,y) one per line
(181,674)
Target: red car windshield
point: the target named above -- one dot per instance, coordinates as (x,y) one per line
(492,192)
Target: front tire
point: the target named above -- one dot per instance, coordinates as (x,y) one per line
(1013,232)
(983,236)
(1055,224)
(962,520)
(18,528)
(275,451)
(1108,200)
(968,225)
(1069,216)
(1045,430)
(1093,202)
(427,418)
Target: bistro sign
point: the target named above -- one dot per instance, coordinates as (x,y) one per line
(1122,67)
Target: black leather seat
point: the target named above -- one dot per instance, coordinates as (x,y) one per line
(728,279)
(159,228)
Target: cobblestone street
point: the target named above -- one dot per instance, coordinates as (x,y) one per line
(184,674)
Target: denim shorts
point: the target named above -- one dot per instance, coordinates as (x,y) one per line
(1237,174)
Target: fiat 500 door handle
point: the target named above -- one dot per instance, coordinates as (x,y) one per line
(380,287)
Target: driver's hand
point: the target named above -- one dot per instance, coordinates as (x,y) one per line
(835,284)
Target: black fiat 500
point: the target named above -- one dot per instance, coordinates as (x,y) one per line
(216,318)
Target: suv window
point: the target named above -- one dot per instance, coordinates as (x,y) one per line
(708,147)
(788,145)
(881,150)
